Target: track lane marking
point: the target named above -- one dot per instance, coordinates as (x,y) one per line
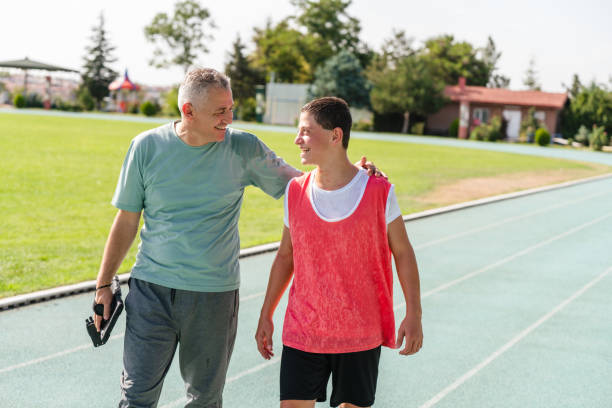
(507,259)
(457,383)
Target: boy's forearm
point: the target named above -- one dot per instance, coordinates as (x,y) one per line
(408,275)
(280,276)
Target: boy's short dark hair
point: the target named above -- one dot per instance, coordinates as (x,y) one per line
(331,112)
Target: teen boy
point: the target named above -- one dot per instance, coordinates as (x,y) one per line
(341,227)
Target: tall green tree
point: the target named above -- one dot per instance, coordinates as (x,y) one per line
(332,29)
(449,60)
(531,77)
(491,56)
(244,76)
(342,76)
(280,50)
(181,37)
(97,73)
(405,85)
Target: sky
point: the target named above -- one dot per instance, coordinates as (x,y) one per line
(563,37)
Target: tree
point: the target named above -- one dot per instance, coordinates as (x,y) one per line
(281,49)
(183,33)
(531,77)
(331,29)
(490,57)
(449,60)
(342,76)
(97,73)
(244,76)
(406,86)
(592,105)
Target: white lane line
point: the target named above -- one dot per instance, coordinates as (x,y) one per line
(437,398)
(52,356)
(89,345)
(236,377)
(506,221)
(507,259)
(252,296)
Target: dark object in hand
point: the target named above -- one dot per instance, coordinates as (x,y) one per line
(101,337)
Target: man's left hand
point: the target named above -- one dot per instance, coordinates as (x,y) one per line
(370,167)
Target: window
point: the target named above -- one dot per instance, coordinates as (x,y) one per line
(481,115)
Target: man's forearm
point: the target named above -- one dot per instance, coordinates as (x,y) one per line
(120,239)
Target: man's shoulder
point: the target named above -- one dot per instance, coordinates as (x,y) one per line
(240,136)
(159,134)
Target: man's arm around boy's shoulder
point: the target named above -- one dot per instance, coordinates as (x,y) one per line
(410,329)
(280,276)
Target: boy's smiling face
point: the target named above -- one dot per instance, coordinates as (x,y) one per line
(312,139)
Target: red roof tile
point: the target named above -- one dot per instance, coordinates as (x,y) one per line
(481,94)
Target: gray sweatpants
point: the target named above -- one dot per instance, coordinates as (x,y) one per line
(202,324)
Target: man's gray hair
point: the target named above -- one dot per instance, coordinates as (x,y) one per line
(197,83)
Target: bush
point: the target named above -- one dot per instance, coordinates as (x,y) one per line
(85,99)
(453,130)
(418,128)
(362,125)
(542,137)
(247,110)
(598,138)
(583,135)
(149,108)
(134,108)
(487,132)
(19,101)
(171,107)
(33,100)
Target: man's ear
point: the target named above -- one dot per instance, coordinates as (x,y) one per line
(187,110)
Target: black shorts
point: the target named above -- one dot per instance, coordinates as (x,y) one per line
(304,376)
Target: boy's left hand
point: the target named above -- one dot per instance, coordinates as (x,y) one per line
(370,167)
(412,331)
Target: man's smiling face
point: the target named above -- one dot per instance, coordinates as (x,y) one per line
(214,113)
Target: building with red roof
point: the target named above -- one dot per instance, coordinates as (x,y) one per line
(473,105)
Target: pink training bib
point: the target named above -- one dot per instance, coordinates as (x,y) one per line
(341,299)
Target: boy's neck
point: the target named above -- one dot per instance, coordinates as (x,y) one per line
(335,174)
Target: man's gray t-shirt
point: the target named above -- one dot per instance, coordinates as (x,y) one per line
(191,198)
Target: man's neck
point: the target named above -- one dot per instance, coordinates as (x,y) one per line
(335,174)
(190,136)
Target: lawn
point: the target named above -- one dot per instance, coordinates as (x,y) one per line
(59,174)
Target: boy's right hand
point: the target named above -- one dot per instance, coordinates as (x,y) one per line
(263,337)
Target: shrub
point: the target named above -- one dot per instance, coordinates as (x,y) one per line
(583,135)
(247,110)
(171,107)
(362,125)
(598,138)
(85,99)
(453,129)
(134,108)
(19,101)
(418,128)
(542,137)
(487,132)
(149,108)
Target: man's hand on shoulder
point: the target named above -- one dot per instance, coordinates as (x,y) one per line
(370,167)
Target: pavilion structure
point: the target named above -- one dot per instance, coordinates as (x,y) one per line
(125,91)
(27,64)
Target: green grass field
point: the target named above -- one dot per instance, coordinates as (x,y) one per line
(58,176)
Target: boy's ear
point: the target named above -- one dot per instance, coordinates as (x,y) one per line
(337,134)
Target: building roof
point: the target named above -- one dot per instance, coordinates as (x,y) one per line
(500,96)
